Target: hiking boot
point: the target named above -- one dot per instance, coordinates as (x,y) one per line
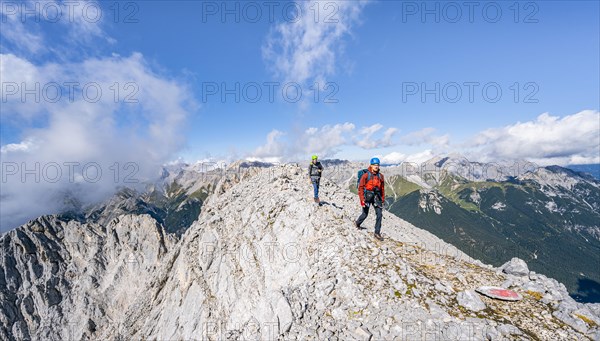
(357,226)
(316,200)
(378,236)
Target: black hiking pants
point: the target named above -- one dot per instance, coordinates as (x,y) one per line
(365,213)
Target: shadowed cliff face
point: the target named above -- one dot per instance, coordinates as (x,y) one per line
(262,261)
(60,279)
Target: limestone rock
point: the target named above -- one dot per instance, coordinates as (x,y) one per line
(516,267)
(362,334)
(470,300)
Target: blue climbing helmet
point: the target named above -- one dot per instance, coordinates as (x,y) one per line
(374,161)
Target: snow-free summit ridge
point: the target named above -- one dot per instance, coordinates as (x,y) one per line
(263,262)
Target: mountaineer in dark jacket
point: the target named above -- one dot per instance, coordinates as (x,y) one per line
(371,190)
(314,173)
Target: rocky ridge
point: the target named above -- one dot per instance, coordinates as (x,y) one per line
(263,262)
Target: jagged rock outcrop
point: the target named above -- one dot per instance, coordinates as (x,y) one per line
(264,262)
(63,280)
(430,201)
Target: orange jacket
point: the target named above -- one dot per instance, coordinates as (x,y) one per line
(375,181)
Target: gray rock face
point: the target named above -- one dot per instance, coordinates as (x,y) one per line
(64,279)
(470,300)
(260,262)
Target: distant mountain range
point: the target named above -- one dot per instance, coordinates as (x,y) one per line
(592,169)
(549,216)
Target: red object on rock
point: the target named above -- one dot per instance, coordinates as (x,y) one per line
(500,293)
(504,293)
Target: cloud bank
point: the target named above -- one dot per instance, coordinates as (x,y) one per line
(572,139)
(325,141)
(547,140)
(125,138)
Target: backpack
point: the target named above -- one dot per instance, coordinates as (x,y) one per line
(311,166)
(361,173)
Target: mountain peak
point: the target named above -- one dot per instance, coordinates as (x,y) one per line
(571,172)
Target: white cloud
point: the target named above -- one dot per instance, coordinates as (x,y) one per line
(426,136)
(269,159)
(24,146)
(325,141)
(20,74)
(546,140)
(308,49)
(127,126)
(573,139)
(25,23)
(128,141)
(272,150)
(419,157)
(393,158)
(15,31)
(370,130)
(364,140)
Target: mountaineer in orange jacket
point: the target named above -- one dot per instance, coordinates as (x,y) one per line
(371,190)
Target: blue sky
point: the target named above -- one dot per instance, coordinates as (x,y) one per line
(559,54)
(373,51)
